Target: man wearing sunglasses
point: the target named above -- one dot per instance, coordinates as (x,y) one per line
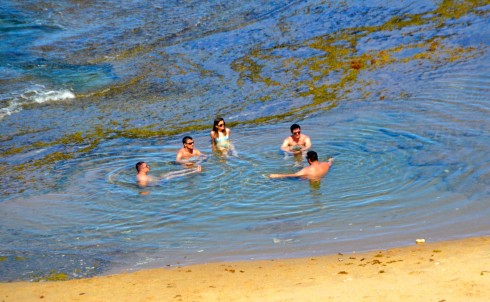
(297,143)
(188,152)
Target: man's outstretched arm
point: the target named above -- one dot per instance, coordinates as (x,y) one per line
(297,174)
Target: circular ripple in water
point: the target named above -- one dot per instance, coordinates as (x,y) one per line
(402,170)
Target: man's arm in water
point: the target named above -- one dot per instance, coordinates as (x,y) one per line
(313,171)
(300,173)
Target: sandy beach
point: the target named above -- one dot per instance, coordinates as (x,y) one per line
(445,271)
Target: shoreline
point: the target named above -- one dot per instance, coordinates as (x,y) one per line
(457,270)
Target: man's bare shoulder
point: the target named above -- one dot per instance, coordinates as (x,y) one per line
(182,152)
(305,138)
(326,163)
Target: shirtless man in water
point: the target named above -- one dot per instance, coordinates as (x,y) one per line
(188,152)
(144,179)
(297,143)
(315,171)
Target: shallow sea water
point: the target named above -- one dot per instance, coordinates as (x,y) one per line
(410,141)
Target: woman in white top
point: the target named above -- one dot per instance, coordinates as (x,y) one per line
(220,137)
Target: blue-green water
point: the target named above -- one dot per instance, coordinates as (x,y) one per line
(398,92)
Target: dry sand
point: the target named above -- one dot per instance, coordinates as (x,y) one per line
(447,271)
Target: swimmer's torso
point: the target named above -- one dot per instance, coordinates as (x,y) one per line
(223,139)
(297,145)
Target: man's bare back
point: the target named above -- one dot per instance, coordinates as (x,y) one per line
(316,170)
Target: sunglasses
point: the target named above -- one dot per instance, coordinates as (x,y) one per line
(296,132)
(191,143)
(221,125)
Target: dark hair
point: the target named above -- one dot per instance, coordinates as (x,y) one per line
(215,124)
(185,139)
(312,156)
(294,127)
(138,165)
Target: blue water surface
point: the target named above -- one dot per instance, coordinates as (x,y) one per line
(409,131)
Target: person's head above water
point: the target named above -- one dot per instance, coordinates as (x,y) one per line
(186,139)
(138,165)
(294,127)
(312,156)
(219,125)
(141,165)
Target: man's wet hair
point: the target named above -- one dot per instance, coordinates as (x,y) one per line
(294,127)
(312,156)
(185,139)
(138,165)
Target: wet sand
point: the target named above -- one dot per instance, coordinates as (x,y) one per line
(446,271)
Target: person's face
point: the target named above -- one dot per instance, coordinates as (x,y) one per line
(145,167)
(296,132)
(221,125)
(189,144)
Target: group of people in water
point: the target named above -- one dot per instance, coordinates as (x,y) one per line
(295,144)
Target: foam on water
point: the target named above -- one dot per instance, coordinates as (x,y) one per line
(38,95)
